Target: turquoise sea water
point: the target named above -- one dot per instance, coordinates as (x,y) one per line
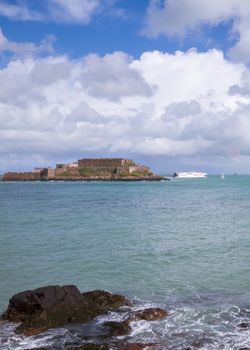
(180,244)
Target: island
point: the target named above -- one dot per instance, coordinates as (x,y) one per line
(89,169)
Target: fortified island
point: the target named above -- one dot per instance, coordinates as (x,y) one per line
(89,169)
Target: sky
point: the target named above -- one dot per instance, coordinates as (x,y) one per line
(163,82)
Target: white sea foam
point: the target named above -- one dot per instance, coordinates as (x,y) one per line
(186,326)
(9,340)
(189,327)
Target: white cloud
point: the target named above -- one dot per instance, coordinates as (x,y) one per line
(182,109)
(112,77)
(79,11)
(244,87)
(241,50)
(60,11)
(19,12)
(178,17)
(26,49)
(177,105)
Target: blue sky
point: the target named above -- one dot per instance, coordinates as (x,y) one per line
(109,32)
(165,82)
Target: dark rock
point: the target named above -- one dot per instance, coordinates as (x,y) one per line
(151,314)
(92,346)
(87,346)
(198,343)
(55,306)
(244,325)
(43,308)
(43,348)
(31,302)
(104,301)
(117,328)
(134,346)
(139,346)
(109,346)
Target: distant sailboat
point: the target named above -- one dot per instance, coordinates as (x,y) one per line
(222,176)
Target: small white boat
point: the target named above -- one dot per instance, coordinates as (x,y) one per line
(189,175)
(222,176)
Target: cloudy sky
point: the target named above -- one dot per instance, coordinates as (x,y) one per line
(166,82)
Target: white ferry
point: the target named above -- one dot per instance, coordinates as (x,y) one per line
(189,174)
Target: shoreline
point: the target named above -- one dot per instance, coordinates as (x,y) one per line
(101,320)
(82,179)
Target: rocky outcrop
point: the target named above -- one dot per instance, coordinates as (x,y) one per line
(106,346)
(117,328)
(38,177)
(244,325)
(86,346)
(92,346)
(54,306)
(102,301)
(151,314)
(99,169)
(135,346)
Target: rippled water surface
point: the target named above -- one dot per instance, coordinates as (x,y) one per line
(181,244)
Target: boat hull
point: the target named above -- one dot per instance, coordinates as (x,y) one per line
(190,175)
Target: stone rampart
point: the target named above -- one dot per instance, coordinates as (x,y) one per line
(139,169)
(47,173)
(25,176)
(91,169)
(59,171)
(104,162)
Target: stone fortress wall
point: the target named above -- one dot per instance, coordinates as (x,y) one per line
(105,168)
(104,162)
(24,176)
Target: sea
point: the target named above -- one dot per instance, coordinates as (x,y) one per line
(183,245)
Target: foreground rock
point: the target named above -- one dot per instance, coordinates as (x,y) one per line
(111,346)
(135,346)
(151,314)
(244,325)
(55,306)
(117,328)
(92,346)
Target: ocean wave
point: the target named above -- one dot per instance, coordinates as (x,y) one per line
(186,327)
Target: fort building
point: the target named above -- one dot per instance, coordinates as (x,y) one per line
(88,169)
(105,162)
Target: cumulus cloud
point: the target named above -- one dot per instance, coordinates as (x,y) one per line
(79,11)
(182,109)
(26,80)
(60,11)
(26,49)
(241,50)
(19,11)
(178,17)
(177,105)
(244,87)
(112,77)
